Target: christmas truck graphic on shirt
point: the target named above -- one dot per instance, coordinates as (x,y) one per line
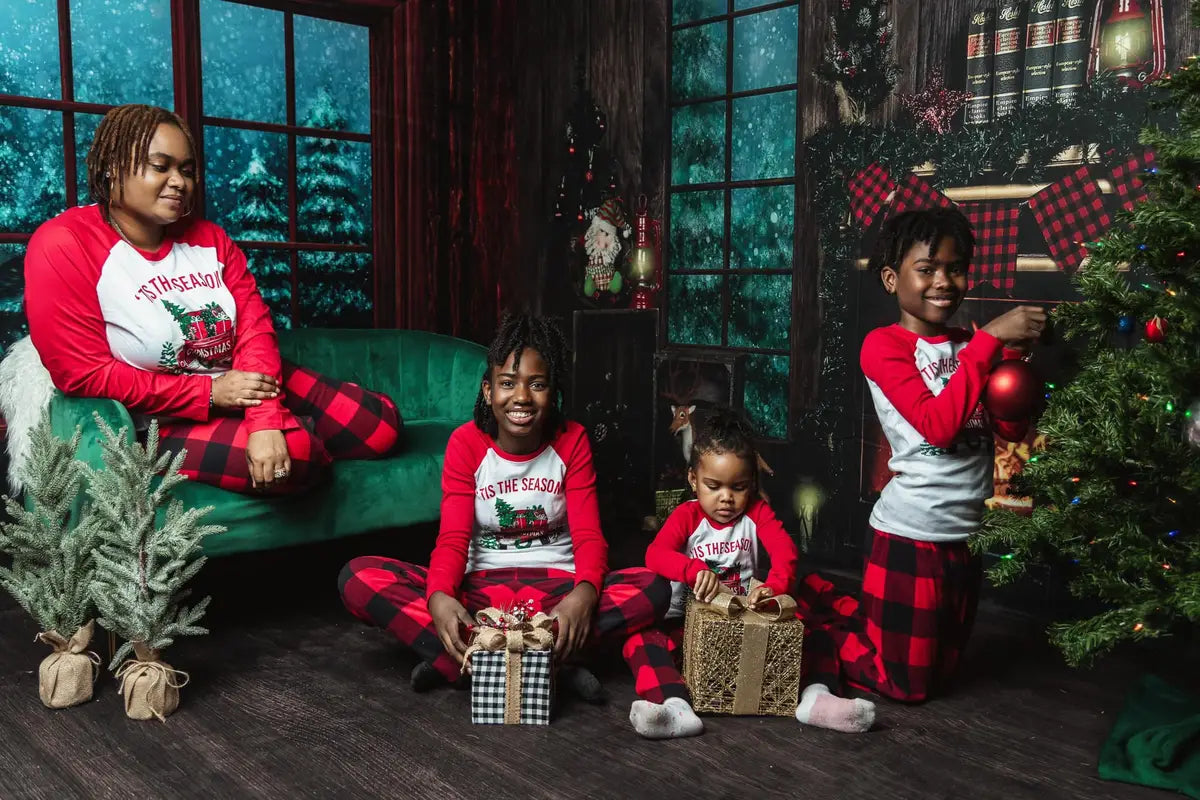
(519,527)
(730,575)
(207,339)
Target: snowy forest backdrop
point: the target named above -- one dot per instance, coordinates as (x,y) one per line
(121,53)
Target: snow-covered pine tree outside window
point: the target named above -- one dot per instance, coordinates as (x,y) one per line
(730,241)
(287,171)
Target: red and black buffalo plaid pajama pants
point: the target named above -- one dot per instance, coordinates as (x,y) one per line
(325,419)
(654,658)
(904,637)
(390,594)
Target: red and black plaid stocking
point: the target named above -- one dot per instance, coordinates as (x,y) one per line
(1070,214)
(1127,180)
(995,225)
(869,190)
(916,192)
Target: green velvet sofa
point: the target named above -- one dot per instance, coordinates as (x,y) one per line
(434,380)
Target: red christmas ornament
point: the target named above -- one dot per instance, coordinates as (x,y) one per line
(588,176)
(852,72)
(845,5)
(1156,330)
(1012,390)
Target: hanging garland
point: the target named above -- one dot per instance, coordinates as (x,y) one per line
(1018,148)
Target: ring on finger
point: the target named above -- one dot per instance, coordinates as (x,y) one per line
(280,474)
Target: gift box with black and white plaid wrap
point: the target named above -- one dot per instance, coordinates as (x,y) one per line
(511,659)
(489,693)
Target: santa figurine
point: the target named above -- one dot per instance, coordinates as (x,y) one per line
(602,243)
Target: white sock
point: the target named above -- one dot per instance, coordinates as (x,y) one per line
(822,709)
(671,719)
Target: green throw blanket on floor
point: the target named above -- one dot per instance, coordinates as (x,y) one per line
(1156,739)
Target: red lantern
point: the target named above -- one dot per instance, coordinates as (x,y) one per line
(1012,390)
(1156,330)
(1128,41)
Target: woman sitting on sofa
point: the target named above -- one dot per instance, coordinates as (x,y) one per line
(129,300)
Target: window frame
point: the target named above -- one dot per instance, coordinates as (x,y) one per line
(375,15)
(727,187)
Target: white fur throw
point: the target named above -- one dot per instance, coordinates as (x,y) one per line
(25,392)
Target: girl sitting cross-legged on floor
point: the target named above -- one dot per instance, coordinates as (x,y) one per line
(713,541)
(520,522)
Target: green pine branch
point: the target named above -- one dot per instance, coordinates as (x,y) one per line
(142,568)
(1117,489)
(51,570)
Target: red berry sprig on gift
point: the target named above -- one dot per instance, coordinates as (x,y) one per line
(1156,330)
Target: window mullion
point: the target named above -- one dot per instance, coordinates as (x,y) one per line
(726,194)
(289,69)
(67,82)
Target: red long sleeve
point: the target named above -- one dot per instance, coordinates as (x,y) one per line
(667,554)
(449,559)
(779,546)
(68,331)
(583,514)
(256,348)
(887,360)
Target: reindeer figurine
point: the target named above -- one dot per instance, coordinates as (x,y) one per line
(681,428)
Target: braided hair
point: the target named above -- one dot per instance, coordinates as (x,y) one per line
(516,333)
(122,145)
(920,226)
(725,430)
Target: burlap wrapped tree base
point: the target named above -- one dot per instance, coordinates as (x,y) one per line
(149,685)
(66,676)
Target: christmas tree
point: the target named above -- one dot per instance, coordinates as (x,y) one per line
(257,217)
(334,286)
(51,571)
(142,569)
(1117,489)
(859,62)
(590,175)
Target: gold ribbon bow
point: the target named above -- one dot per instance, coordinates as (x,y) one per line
(755,635)
(499,630)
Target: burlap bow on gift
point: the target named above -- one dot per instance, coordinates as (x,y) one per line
(150,686)
(65,677)
(755,634)
(498,630)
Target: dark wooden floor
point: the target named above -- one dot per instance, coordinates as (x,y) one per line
(290,697)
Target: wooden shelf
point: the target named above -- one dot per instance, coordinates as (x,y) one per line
(1024,264)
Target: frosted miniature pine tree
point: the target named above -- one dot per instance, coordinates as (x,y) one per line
(142,568)
(51,571)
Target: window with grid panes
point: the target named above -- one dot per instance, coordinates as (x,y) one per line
(731,210)
(285,133)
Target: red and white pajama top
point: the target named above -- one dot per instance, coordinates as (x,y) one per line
(501,510)
(927,393)
(148,329)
